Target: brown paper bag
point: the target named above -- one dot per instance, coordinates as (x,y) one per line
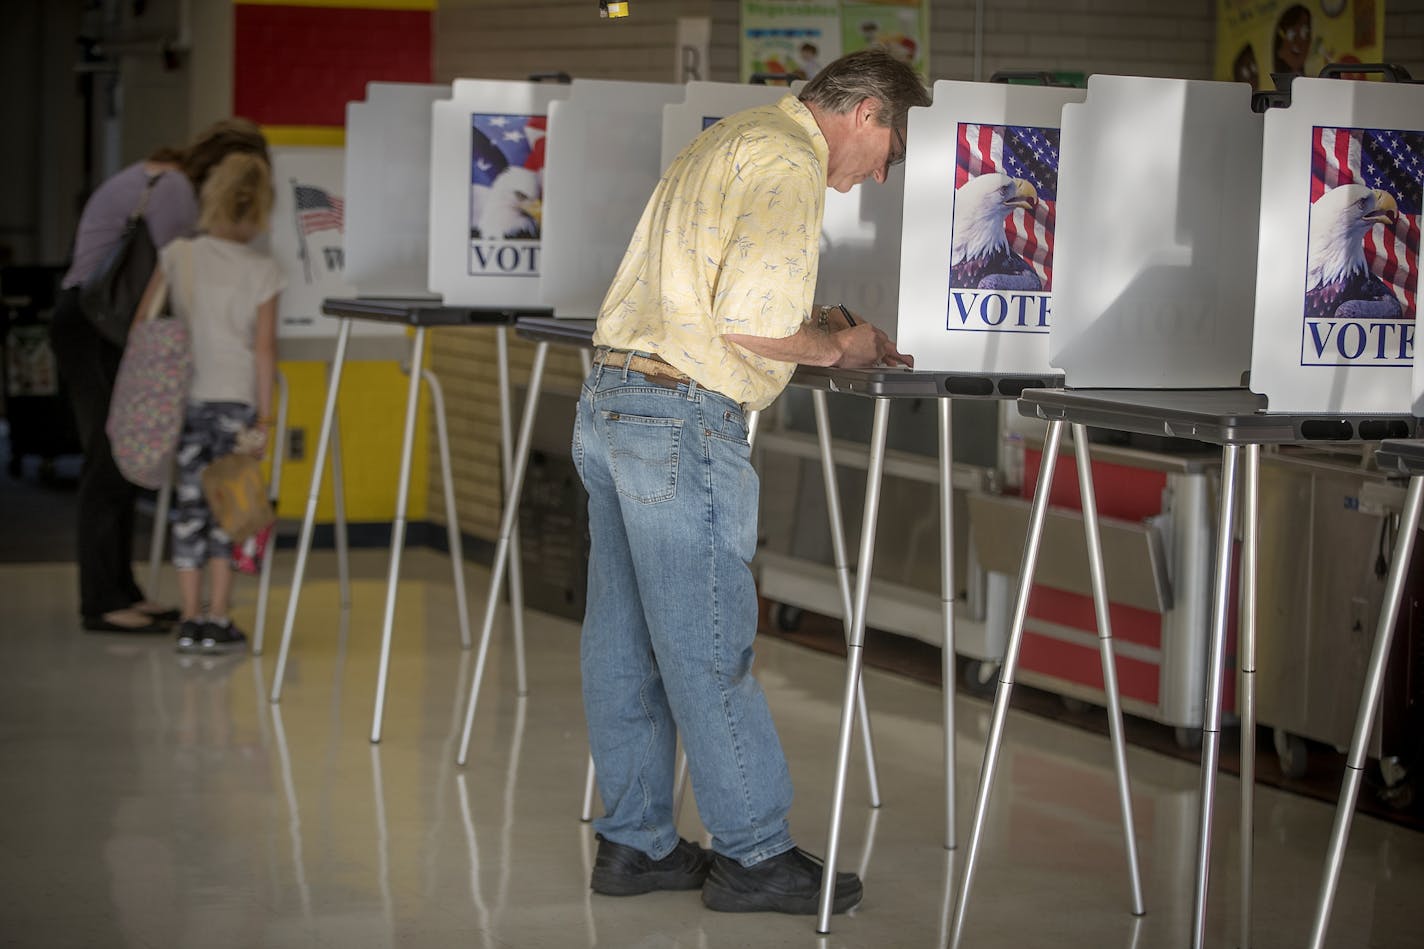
(237,494)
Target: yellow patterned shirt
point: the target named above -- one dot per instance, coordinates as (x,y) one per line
(729,243)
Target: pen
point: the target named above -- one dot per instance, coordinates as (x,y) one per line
(850,320)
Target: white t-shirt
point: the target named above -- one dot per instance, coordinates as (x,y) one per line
(218,297)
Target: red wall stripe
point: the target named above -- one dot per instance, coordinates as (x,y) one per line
(301,65)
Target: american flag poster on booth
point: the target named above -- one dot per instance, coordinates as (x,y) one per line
(316,210)
(506,194)
(1362,258)
(306,235)
(1001,257)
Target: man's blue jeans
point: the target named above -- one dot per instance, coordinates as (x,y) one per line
(672,612)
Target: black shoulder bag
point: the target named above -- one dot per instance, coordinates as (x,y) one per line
(111,294)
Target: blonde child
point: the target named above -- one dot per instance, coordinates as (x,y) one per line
(227,292)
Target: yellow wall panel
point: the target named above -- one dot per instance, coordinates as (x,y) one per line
(371,410)
(324,136)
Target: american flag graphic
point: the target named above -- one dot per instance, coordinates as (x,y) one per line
(1019,152)
(504,140)
(318,210)
(506,176)
(1393,162)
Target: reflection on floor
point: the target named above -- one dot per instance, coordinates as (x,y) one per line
(155,801)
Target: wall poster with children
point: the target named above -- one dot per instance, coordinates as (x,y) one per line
(1258,38)
(795,38)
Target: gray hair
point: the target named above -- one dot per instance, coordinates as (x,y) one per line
(867,74)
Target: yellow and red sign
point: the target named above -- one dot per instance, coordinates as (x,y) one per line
(1255,38)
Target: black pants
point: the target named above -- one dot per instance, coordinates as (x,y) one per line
(88,364)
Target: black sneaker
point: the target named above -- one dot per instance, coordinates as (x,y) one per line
(789,882)
(619,870)
(190,634)
(221,637)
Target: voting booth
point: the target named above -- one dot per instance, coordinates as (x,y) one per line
(1138,284)
(1342,175)
(1159,316)
(1156,254)
(486,191)
(484,199)
(610,132)
(977,252)
(860,249)
(1338,269)
(388,189)
(704,104)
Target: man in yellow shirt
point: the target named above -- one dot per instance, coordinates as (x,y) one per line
(709,313)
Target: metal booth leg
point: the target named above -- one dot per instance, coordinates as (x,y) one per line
(1246,664)
(1216,661)
(506,460)
(452,517)
(1105,648)
(590,782)
(333,386)
(679,783)
(946,608)
(838,551)
(277,448)
(506,532)
(1369,706)
(412,399)
(338,522)
(1006,671)
(854,655)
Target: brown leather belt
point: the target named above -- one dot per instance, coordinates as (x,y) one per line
(654,368)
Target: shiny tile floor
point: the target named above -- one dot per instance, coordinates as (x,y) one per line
(151,801)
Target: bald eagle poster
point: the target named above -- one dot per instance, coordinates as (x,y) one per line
(979,237)
(1001,250)
(1337,270)
(487,144)
(506,192)
(1362,265)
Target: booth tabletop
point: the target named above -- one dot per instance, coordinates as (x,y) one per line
(422,312)
(918,384)
(548,329)
(1401,455)
(1221,416)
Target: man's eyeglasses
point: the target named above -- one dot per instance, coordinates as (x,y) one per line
(897,149)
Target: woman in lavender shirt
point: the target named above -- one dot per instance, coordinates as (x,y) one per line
(109,597)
